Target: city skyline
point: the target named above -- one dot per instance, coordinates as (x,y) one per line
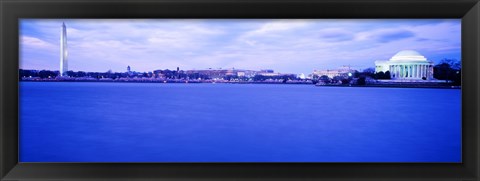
(287,46)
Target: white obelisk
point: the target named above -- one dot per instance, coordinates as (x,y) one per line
(63,51)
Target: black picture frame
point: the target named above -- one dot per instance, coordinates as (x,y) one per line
(12,10)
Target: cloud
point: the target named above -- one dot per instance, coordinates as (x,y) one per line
(336,34)
(272,32)
(422,39)
(386,35)
(37,43)
(283,45)
(278,26)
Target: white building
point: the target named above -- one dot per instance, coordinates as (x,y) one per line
(301,76)
(343,71)
(241,74)
(267,74)
(406,64)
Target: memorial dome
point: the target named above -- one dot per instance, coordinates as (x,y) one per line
(407,65)
(408,56)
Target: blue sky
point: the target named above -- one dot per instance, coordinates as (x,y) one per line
(285,45)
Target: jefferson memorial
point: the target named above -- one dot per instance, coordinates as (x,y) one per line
(407,65)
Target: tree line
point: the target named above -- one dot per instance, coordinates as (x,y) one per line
(166,74)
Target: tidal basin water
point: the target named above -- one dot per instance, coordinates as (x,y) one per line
(152,122)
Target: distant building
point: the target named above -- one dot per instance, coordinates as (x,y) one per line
(342,72)
(241,74)
(268,74)
(221,73)
(128,69)
(266,71)
(250,73)
(407,64)
(301,76)
(230,72)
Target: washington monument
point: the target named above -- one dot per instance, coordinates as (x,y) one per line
(63,51)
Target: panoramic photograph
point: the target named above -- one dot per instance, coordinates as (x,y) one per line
(240,90)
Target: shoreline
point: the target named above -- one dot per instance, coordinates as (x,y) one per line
(397,86)
(390,85)
(169,82)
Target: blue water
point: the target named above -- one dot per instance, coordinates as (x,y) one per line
(146,122)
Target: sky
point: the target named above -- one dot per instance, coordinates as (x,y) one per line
(284,45)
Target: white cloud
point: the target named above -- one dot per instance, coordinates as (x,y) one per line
(33,42)
(283,45)
(279,25)
(385,35)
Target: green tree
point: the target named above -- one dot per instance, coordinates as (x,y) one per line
(369,70)
(324,79)
(337,79)
(387,75)
(380,75)
(448,70)
(361,80)
(345,81)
